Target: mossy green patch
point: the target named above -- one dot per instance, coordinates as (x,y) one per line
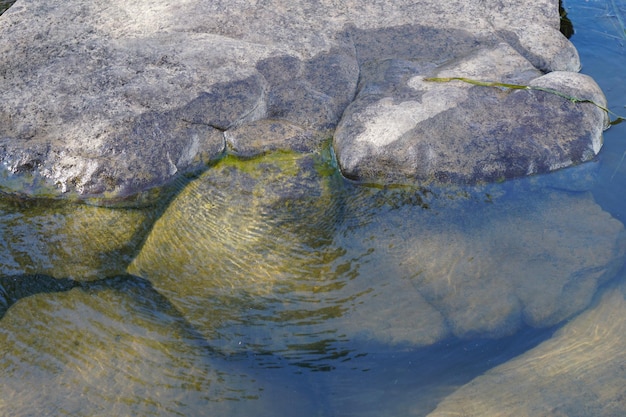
(69,239)
(241,233)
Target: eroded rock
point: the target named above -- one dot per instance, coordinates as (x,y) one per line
(101,98)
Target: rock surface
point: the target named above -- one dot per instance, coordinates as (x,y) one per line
(107,98)
(578,372)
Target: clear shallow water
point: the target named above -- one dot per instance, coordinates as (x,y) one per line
(276,341)
(601,41)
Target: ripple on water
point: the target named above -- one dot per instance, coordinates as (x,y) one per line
(399,266)
(245,252)
(117,347)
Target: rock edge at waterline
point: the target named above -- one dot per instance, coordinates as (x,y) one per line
(110,99)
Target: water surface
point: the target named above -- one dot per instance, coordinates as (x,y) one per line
(307,300)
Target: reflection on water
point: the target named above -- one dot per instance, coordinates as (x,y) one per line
(273,287)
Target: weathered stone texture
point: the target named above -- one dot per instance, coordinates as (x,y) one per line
(109,98)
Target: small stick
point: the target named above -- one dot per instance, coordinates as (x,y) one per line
(618,119)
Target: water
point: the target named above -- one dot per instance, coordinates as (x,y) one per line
(5,4)
(383,302)
(601,41)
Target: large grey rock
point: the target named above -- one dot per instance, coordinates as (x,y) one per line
(402,126)
(578,372)
(110,98)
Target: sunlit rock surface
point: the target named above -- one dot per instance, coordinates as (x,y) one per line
(578,372)
(117,347)
(110,98)
(405,126)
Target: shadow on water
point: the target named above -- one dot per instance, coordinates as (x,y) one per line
(413,382)
(15,287)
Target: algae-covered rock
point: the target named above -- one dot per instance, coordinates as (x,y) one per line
(65,239)
(578,372)
(265,254)
(245,240)
(117,347)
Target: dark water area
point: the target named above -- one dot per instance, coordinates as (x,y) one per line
(283,343)
(5,4)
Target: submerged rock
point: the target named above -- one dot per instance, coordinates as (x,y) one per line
(481,269)
(66,239)
(243,245)
(117,347)
(271,255)
(109,98)
(579,371)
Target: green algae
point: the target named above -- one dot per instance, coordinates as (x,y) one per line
(617,118)
(66,239)
(286,160)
